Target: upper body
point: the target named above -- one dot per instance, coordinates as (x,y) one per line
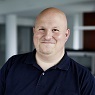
(50,36)
(21,76)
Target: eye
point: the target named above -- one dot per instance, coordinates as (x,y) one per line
(41,29)
(55,30)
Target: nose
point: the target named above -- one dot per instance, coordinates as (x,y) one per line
(48,35)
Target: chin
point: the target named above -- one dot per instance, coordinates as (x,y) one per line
(46,52)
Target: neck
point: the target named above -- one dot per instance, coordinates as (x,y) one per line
(47,61)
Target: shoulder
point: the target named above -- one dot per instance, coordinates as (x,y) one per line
(84,76)
(81,70)
(14,60)
(17,58)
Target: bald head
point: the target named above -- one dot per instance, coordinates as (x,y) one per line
(52,10)
(50,32)
(50,13)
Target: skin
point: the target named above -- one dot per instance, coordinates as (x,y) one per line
(50,36)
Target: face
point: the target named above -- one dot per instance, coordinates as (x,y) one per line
(50,34)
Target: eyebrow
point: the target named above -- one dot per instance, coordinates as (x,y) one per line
(55,27)
(44,27)
(39,26)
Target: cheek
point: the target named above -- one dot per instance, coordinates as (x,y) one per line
(61,40)
(36,41)
(60,37)
(37,36)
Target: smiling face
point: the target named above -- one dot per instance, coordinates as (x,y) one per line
(50,32)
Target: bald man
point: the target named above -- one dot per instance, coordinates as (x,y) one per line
(50,35)
(47,70)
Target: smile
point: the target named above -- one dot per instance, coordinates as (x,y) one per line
(48,42)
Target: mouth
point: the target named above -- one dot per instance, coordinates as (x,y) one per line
(46,42)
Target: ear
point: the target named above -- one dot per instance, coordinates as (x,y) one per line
(33,29)
(67,34)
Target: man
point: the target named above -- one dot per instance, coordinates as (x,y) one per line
(47,70)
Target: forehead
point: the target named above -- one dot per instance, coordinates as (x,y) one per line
(51,19)
(48,22)
(51,16)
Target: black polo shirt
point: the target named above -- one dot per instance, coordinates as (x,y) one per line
(22,76)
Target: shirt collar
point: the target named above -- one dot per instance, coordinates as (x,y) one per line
(31,58)
(63,64)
